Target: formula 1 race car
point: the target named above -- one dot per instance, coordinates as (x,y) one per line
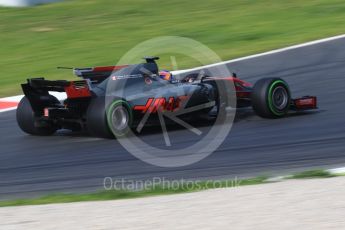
(109,101)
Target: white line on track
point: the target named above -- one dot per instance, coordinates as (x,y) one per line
(264,54)
(6,110)
(337,170)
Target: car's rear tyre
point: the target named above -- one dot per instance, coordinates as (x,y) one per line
(119,118)
(26,120)
(271,98)
(96,119)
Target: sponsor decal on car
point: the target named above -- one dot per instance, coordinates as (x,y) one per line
(162,104)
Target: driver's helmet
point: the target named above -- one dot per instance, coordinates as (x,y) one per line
(166,75)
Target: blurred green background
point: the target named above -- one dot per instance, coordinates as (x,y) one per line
(79,33)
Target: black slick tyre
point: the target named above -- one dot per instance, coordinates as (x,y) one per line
(271,98)
(27,121)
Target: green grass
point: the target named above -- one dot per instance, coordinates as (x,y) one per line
(88,32)
(159,189)
(127,194)
(312,174)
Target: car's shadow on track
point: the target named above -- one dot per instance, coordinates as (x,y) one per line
(242,115)
(304,113)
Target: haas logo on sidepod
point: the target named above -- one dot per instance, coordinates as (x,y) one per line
(154,104)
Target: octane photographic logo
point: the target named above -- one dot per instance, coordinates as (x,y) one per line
(170,103)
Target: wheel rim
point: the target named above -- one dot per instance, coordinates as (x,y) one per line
(120,118)
(280,98)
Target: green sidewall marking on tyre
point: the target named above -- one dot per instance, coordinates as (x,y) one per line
(270,105)
(109,120)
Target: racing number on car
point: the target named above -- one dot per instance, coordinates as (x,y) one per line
(153,104)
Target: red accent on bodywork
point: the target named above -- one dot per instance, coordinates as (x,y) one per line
(77,90)
(243,94)
(308,102)
(153,104)
(145,107)
(171,104)
(46,112)
(233,79)
(241,82)
(179,102)
(108,68)
(157,104)
(241,86)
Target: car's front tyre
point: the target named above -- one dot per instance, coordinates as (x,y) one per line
(271,98)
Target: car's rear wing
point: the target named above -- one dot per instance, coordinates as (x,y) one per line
(37,91)
(73,89)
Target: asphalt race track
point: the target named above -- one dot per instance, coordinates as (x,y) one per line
(31,166)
